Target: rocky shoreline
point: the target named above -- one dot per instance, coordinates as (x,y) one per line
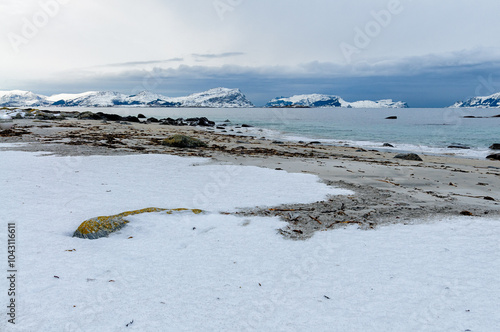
(387,188)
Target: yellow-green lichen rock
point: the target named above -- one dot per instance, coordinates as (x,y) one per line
(103,226)
(183,141)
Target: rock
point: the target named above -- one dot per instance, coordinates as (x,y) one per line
(458,146)
(466,213)
(408,156)
(141,116)
(203,122)
(110,117)
(88,116)
(220,127)
(182,141)
(495,146)
(496,116)
(388,145)
(246,126)
(495,156)
(131,119)
(173,122)
(392,117)
(153,120)
(103,226)
(45,116)
(314,143)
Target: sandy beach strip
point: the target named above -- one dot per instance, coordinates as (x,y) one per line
(387,190)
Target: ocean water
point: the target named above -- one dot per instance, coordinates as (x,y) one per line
(426,131)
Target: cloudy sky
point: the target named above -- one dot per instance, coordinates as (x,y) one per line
(429,53)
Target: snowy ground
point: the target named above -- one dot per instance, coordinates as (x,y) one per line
(214,272)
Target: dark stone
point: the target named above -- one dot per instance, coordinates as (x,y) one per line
(496,116)
(458,146)
(89,116)
(246,126)
(131,119)
(182,141)
(173,122)
(388,145)
(155,120)
(141,116)
(45,116)
(109,117)
(495,146)
(315,143)
(393,117)
(495,156)
(220,127)
(408,156)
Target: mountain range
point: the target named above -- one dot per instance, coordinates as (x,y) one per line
(318,100)
(218,97)
(491,101)
(213,98)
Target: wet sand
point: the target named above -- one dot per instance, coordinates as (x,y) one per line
(387,190)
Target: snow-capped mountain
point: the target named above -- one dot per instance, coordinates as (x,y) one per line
(319,100)
(492,101)
(92,99)
(18,98)
(219,97)
(312,100)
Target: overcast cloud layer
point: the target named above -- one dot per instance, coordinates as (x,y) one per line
(428,53)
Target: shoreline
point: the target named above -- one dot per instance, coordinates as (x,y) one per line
(387,190)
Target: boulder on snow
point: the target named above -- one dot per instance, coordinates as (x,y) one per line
(103,226)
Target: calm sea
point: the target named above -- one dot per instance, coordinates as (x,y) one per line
(427,131)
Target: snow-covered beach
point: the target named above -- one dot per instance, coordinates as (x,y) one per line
(221,270)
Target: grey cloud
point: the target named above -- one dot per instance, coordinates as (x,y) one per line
(201,57)
(138,63)
(431,81)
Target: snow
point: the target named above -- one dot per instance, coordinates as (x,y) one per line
(186,272)
(70,96)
